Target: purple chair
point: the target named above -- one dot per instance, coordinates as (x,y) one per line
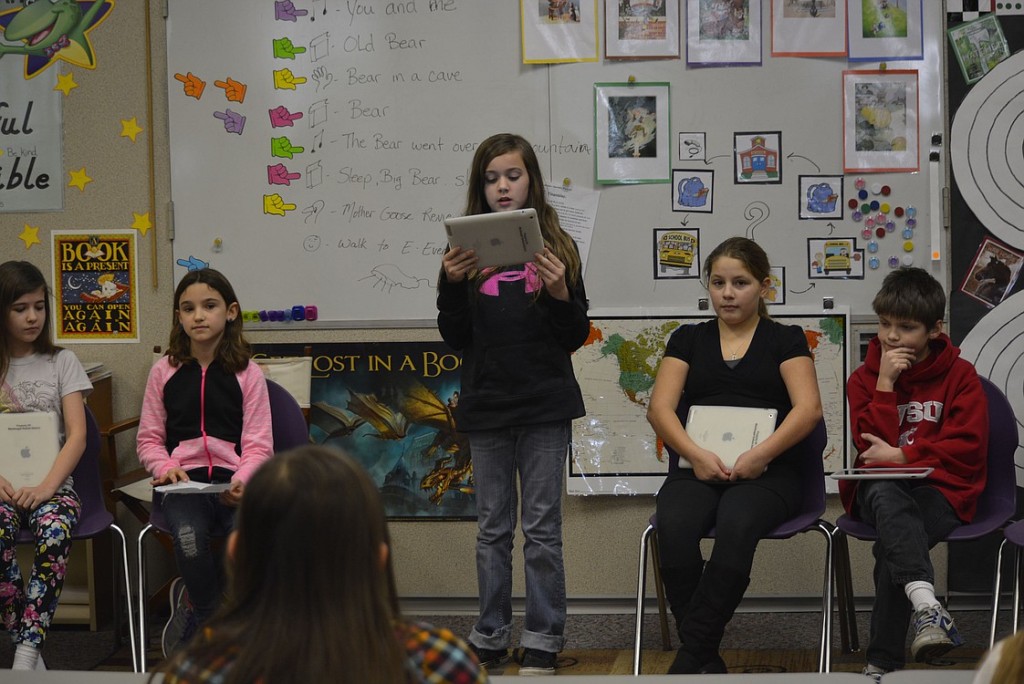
(807,519)
(95,519)
(996,505)
(290,431)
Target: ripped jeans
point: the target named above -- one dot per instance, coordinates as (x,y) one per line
(194,520)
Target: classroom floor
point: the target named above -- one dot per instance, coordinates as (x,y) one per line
(602,644)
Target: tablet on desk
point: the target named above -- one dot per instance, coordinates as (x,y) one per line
(501,238)
(881,473)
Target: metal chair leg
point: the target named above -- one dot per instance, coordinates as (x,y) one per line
(825,650)
(641,588)
(847,609)
(142,599)
(128,598)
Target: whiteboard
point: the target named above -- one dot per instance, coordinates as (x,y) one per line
(396,96)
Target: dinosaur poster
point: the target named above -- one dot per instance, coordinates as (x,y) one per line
(389,405)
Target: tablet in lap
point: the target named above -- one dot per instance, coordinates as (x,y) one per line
(501,238)
(881,473)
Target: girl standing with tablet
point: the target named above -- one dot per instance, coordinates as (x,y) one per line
(516,327)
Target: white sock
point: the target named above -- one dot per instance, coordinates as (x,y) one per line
(25,657)
(921,594)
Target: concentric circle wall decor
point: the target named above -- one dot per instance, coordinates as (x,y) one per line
(987,148)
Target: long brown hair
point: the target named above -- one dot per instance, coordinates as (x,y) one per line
(748,253)
(310,597)
(233,352)
(17,279)
(557,240)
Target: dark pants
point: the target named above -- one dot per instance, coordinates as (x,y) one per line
(195,520)
(704,598)
(909,520)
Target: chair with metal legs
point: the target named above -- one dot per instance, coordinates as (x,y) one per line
(95,519)
(806,520)
(290,431)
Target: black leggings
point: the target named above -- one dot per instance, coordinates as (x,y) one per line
(742,514)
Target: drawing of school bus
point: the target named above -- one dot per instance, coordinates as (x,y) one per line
(675,250)
(837,256)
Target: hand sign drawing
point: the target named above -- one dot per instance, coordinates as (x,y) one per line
(284,10)
(193,85)
(323,77)
(280,116)
(278,174)
(284,79)
(275,205)
(233,90)
(282,147)
(283,48)
(233,121)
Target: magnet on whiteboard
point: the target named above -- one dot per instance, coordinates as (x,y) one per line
(827,303)
(298,313)
(310,312)
(218,245)
(702,303)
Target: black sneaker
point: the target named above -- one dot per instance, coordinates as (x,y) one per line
(490,657)
(537,663)
(181,624)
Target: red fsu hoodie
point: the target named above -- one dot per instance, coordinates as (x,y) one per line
(937,414)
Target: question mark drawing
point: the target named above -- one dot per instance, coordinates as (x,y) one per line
(756,212)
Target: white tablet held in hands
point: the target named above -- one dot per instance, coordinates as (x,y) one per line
(501,238)
(728,431)
(881,473)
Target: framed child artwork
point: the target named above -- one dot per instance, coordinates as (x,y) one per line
(880,121)
(723,32)
(809,28)
(631,131)
(885,30)
(641,29)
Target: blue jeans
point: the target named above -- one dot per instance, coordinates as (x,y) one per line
(537,453)
(195,519)
(909,520)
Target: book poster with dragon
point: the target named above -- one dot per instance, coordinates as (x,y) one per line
(389,405)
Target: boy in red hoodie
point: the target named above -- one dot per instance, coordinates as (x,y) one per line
(914,402)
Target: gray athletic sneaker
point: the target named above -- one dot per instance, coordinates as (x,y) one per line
(181,625)
(934,634)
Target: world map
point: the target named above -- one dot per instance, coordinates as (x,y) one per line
(614,449)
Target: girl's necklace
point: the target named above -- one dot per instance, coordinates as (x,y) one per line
(734,353)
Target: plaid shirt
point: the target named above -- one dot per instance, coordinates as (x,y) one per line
(434,656)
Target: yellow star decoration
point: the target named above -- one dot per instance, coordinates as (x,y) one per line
(30,236)
(142,222)
(79,179)
(130,128)
(66,83)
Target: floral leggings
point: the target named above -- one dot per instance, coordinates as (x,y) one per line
(27,614)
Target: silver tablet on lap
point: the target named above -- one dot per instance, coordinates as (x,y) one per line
(501,238)
(881,473)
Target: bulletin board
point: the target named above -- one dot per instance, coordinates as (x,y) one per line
(317,146)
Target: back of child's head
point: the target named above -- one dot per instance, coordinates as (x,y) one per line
(912,294)
(233,352)
(747,252)
(311,547)
(17,279)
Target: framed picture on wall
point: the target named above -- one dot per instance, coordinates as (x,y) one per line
(641,29)
(723,33)
(880,121)
(821,197)
(885,30)
(809,28)
(558,31)
(631,132)
(758,156)
(777,288)
(676,253)
(834,258)
(693,190)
